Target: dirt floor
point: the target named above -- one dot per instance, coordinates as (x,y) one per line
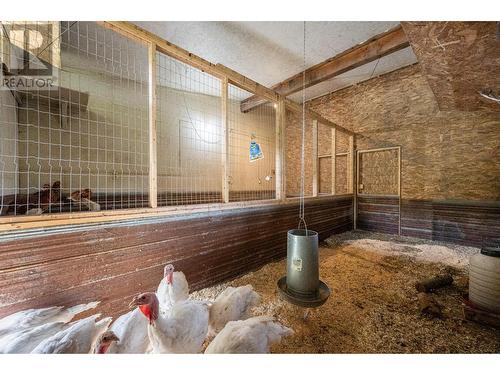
(373,307)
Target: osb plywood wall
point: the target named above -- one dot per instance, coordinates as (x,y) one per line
(378,172)
(459,59)
(293,129)
(293,144)
(445,155)
(325,175)
(324,139)
(341,175)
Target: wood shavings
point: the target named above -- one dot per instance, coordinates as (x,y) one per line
(373,307)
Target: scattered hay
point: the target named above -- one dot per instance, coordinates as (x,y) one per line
(373,307)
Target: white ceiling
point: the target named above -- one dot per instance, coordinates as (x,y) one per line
(269,52)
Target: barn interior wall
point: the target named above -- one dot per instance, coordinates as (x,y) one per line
(445,154)
(450,175)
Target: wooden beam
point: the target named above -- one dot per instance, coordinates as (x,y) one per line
(220,71)
(334,159)
(153,181)
(225,141)
(245,83)
(374,48)
(291,105)
(280,153)
(315,158)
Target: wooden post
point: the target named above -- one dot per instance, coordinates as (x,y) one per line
(153,182)
(283,149)
(315,158)
(334,159)
(225,141)
(350,167)
(280,155)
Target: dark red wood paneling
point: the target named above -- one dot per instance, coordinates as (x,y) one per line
(465,222)
(378,214)
(111,262)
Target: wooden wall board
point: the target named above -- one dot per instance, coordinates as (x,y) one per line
(112,262)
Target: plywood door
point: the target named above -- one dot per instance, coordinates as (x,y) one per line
(378,190)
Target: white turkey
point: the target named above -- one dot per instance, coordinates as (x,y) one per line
(104,341)
(132,331)
(232,304)
(79,337)
(31,318)
(25,341)
(181,330)
(173,288)
(254,335)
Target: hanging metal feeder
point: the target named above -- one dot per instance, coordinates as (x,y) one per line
(301,286)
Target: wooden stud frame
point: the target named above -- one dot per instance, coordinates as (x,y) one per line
(333,155)
(155,43)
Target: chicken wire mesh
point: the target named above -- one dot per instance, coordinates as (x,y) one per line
(82,144)
(252,147)
(189,132)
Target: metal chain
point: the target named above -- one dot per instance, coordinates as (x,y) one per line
(302,161)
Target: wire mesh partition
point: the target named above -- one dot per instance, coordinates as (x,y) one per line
(189,133)
(82,144)
(252,147)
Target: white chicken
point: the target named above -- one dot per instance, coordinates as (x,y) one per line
(232,304)
(131,330)
(181,330)
(79,337)
(31,318)
(254,335)
(173,288)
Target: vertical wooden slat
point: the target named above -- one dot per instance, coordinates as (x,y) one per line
(283,149)
(280,155)
(153,189)
(315,158)
(225,141)
(334,159)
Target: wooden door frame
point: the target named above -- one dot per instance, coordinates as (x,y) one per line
(356,190)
